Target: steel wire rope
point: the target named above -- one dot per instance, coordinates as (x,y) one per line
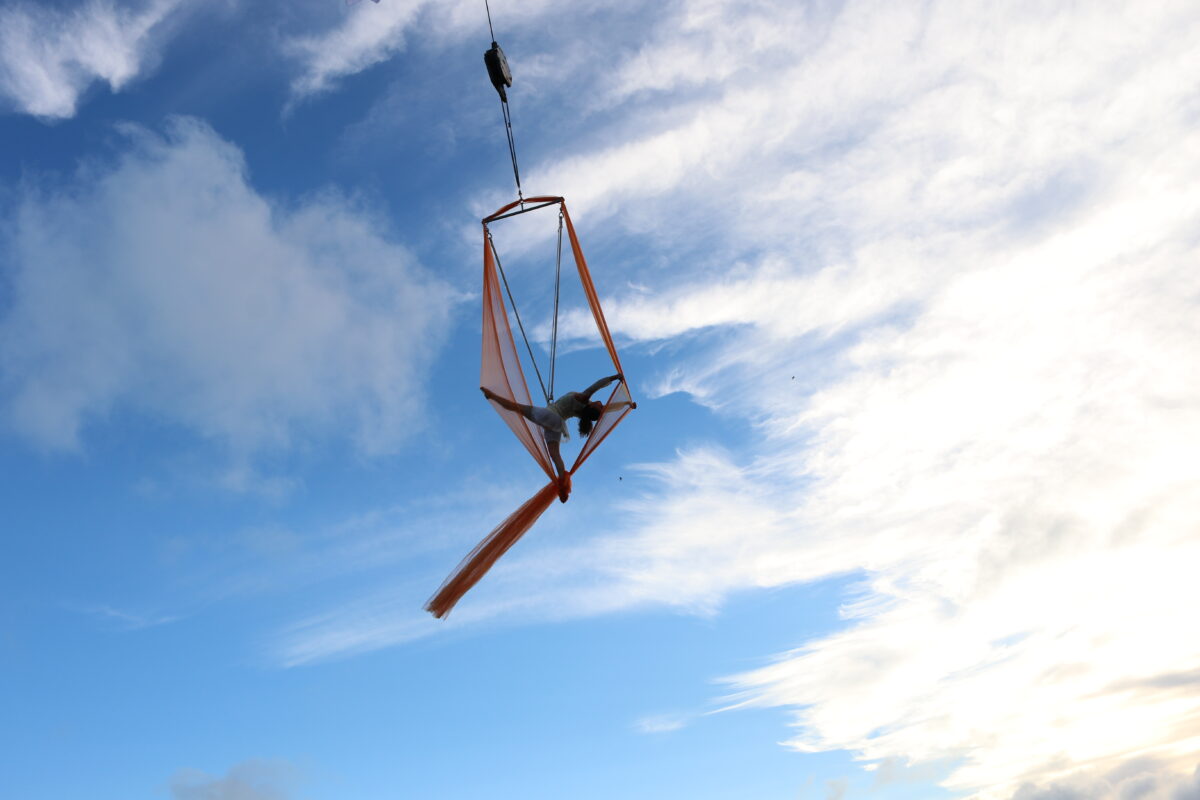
(512,147)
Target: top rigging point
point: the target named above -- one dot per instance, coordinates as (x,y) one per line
(501,77)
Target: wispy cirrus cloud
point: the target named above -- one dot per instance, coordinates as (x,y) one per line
(362,38)
(127,620)
(970,238)
(990,327)
(662,723)
(370,35)
(50,56)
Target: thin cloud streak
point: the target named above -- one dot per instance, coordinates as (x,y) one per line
(372,34)
(366,36)
(49,57)
(126,620)
(662,723)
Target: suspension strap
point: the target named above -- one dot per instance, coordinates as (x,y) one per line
(517,314)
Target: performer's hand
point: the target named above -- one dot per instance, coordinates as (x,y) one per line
(488,393)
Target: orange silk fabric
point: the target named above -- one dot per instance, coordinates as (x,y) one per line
(500,370)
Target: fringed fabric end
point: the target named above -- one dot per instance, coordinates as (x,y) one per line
(480,560)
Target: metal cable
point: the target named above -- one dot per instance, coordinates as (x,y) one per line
(512,146)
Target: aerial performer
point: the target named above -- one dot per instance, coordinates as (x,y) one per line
(553,420)
(539,427)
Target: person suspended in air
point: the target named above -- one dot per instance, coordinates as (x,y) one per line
(553,418)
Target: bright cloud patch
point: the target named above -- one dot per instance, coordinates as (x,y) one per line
(976,257)
(952,256)
(993,337)
(165,284)
(48,57)
(1011,472)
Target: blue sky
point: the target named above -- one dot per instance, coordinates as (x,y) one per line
(906,293)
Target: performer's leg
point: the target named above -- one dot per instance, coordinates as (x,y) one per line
(507,404)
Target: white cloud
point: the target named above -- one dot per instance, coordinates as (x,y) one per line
(709,43)
(380,620)
(49,57)
(975,257)
(1001,447)
(166,285)
(970,236)
(366,36)
(1139,779)
(876,120)
(662,723)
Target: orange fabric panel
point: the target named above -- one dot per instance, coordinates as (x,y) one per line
(500,367)
(589,288)
(480,560)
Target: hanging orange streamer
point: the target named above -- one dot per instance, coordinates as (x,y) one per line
(500,370)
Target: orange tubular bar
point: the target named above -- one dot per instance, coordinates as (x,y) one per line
(540,199)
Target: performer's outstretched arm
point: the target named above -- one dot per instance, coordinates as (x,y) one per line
(600,384)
